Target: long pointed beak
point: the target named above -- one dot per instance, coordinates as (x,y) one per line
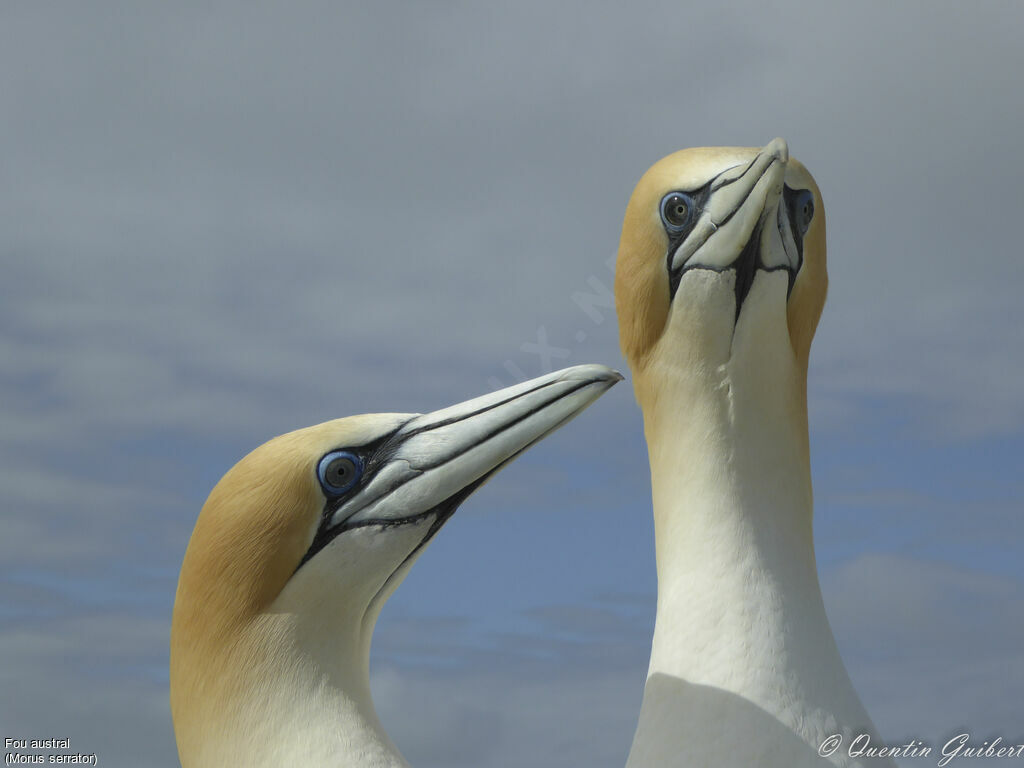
(738,198)
(434,461)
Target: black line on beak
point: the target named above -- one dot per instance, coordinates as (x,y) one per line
(746,265)
(385,448)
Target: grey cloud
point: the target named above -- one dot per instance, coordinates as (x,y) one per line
(936,650)
(369,177)
(98,680)
(223,222)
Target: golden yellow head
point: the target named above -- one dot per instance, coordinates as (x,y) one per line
(700,227)
(257,526)
(302,541)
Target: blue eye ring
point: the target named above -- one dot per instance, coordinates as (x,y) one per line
(339,471)
(676,210)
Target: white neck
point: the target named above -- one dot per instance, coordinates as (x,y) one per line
(301,697)
(744,669)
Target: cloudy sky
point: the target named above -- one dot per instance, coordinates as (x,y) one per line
(223,221)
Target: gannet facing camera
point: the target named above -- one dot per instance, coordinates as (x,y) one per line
(720,282)
(295,552)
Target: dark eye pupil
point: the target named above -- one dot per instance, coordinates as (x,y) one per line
(676,211)
(339,471)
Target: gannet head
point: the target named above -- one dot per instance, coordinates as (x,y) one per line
(302,541)
(714,239)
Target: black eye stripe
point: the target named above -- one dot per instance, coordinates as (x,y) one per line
(370,457)
(797,205)
(696,200)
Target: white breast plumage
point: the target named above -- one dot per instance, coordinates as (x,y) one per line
(720,283)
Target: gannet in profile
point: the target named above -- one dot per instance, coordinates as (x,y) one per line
(294,554)
(719,285)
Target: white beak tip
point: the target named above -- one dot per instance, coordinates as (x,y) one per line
(779,149)
(592,372)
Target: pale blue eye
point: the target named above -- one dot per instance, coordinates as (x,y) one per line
(676,210)
(803,209)
(339,471)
